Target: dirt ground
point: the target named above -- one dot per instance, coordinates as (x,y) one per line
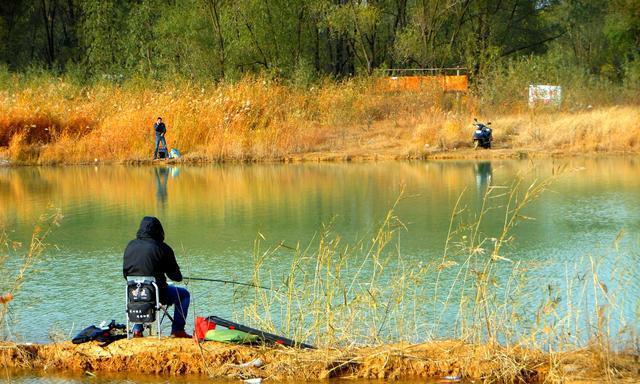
(173,357)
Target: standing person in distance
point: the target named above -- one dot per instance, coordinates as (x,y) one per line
(160,130)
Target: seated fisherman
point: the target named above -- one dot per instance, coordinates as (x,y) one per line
(149,255)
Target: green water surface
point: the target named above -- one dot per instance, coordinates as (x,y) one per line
(212,215)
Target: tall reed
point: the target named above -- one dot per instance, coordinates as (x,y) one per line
(16,263)
(338,294)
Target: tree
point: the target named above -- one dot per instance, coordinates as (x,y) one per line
(103,40)
(215,39)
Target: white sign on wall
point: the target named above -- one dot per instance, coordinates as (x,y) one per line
(545,95)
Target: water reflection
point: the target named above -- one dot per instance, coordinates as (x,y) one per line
(162,177)
(51,377)
(484,172)
(218,208)
(291,191)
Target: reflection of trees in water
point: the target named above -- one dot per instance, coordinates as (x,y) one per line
(26,181)
(21,190)
(235,192)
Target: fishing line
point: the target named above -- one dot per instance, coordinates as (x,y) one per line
(228,282)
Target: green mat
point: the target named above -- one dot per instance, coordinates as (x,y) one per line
(230,336)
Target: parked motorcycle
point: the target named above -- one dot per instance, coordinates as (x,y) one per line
(483,136)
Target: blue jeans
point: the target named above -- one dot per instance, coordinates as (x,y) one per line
(178,297)
(159,139)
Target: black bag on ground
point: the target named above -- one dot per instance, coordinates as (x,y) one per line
(163,153)
(90,333)
(104,336)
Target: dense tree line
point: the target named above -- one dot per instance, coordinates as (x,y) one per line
(214,39)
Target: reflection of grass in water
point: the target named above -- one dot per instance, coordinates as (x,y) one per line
(27,190)
(15,264)
(341,295)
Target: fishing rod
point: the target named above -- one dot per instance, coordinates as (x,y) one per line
(228,282)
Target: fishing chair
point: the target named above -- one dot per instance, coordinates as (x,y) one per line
(142,298)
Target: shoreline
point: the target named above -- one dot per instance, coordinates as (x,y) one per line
(169,357)
(352,157)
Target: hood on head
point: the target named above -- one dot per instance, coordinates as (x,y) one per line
(150,227)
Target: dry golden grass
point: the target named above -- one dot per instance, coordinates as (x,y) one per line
(601,130)
(256,119)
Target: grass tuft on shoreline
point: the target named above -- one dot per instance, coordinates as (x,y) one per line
(16,263)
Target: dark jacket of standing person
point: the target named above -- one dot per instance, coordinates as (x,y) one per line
(149,255)
(160,128)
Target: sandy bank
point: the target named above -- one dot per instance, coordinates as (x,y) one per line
(184,357)
(366,157)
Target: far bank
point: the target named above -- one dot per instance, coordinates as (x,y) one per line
(259,121)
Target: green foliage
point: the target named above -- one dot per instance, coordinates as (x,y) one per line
(632,73)
(102,37)
(302,40)
(622,28)
(5,76)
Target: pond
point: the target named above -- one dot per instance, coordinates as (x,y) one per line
(213,214)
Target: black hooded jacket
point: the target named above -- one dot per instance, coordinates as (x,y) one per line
(148,255)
